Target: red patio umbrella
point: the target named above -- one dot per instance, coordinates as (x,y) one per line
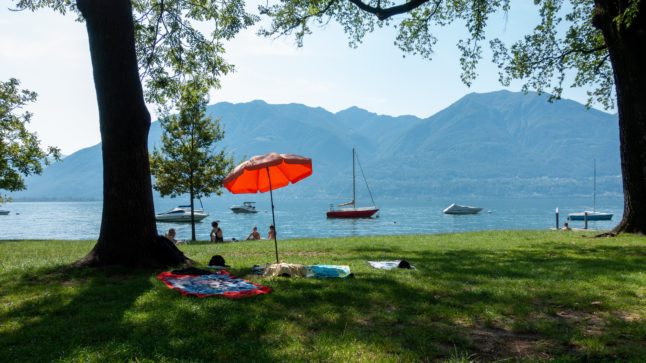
(268,172)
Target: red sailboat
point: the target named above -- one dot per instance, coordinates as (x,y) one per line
(350,209)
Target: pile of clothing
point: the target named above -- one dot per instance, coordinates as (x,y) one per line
(297,270)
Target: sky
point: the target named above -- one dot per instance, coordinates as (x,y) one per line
(49,54)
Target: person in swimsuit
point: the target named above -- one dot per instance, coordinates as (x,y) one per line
(216,233)
(272,232)
(254,235)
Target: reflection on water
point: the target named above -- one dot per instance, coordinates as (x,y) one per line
(297,218)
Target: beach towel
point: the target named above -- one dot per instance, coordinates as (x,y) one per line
(219,283)
(387,265)
(328,271)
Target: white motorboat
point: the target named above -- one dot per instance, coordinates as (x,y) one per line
(461,209)
(246,207)
(181,214)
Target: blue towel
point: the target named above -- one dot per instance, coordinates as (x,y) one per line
(328,271)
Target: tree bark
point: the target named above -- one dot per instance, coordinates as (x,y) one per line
(625,47)
(192,196)
(128,235)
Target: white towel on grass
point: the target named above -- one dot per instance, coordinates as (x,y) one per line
(386,265)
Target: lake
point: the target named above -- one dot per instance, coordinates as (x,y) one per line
(299,218)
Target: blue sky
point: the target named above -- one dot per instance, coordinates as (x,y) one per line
(49,53)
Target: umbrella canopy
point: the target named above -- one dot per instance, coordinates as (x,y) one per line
(268,172)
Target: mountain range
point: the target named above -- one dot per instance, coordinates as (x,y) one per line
(492,144)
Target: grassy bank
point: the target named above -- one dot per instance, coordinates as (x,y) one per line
(477,296)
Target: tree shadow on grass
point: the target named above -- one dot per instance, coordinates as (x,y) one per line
(525,303)
(112,315)
(521,304)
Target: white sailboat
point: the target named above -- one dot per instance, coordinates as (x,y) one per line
(592,215)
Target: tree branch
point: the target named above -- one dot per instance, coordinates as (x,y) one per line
(383,14)
(151,56)
(597,69)
(289,28)
(566,53)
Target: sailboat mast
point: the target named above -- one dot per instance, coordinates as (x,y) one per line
(353,181)
(594,188)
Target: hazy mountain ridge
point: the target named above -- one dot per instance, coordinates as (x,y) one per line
(500,143)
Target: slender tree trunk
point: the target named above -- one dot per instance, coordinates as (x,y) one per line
(192,195)
(626,49)
(128,233)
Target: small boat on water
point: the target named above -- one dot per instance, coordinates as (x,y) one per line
(461,209)
(4,212)
(246,207)
(349,209)
(590,215)
(181,214)
(354,212)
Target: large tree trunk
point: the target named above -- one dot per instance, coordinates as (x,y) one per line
(626,49)
(128,234)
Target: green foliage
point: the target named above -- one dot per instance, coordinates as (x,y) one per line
(565,44)
(544,57)
(62,6)
(187,161)
(20,151)
(174,38)
(171,42)
(520,296)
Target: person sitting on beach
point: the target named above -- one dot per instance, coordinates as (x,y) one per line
(216,233)
(254,235)
(566,227)
(272,232)
(171,236)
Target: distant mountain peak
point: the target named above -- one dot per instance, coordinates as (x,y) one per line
(354,111)
(493,143)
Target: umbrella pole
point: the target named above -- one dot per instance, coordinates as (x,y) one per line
(273,218)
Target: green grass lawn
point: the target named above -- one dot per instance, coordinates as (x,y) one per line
(486,296)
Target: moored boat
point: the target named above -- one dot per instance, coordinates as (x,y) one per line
(365,212)
(350,209)
(590,215)
(246,207)
(3,212)
(461,209)
(181,214)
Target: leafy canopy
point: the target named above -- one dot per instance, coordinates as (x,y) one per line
(187,161)
(174,38)
(20,151)
(564,39)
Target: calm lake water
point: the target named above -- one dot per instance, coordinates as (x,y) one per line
(298,218)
